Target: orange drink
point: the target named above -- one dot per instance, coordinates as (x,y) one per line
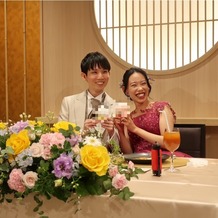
(171,140)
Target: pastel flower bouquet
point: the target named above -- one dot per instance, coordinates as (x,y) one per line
(58,161)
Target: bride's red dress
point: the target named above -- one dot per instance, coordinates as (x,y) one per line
(149,121)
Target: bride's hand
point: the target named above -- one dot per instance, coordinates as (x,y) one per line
(118,124)
(128,122)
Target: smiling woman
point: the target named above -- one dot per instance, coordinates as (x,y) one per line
(156,34)
(146,124)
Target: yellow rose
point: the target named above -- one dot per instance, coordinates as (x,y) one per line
(63,125)
(95,159)
(18,141)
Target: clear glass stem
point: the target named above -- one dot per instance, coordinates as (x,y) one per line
(172,169)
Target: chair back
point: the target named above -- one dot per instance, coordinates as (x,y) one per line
(192,139)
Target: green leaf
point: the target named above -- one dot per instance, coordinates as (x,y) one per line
(39,203)
(62,194)
(8,200)
(7,150)
(121,195)
(44,165)
(114,191)
(127,193)
(67,146)
(128,177)
(36,199)
(115,148)
(107,184)
(3,140)
(81,190)
(139,171)
(77,128)
(5,167)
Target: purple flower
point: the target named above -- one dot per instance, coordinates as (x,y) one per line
(63,166)
(74,139)
(17,127)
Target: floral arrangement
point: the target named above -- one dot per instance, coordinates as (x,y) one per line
(58,161)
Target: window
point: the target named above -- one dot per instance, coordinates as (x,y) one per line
(158,34)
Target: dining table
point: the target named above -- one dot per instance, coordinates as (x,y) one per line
(191,191)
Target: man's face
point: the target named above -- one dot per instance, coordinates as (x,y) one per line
(97,80)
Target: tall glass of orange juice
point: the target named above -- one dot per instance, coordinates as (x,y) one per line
(172,142)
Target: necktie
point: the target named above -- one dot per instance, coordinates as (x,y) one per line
(95,103)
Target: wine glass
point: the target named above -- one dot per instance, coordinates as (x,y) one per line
(172,142)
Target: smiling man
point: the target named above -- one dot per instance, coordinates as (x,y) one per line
(80,108)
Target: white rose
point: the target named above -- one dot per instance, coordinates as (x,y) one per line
(37,150)
(30,179)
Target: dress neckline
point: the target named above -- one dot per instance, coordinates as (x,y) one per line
(142,111)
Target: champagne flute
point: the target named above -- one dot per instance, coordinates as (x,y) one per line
(172,142)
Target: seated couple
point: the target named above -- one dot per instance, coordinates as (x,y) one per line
(141,129)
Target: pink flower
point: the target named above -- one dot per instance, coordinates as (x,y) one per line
(119,181)
(50,139)
(131,165)
(46,153)
(15,180)
(30,179)
(113,171)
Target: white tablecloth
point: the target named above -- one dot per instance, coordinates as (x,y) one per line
(192,192)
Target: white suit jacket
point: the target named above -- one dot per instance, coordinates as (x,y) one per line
(73,109)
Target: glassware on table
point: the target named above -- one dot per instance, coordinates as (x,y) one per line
(172,143)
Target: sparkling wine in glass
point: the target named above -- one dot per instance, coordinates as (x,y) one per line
(172,142)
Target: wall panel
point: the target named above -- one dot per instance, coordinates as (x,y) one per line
(33,85)
(2,64)
(20,59)
(15,51)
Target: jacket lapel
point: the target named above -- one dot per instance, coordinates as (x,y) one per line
(80,109)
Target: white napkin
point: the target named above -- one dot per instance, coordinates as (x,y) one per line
(197,162)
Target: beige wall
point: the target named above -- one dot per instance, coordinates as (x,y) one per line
(69,32)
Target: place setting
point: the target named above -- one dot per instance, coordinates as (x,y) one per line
(143,158)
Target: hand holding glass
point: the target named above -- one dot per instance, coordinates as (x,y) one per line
(172,142)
